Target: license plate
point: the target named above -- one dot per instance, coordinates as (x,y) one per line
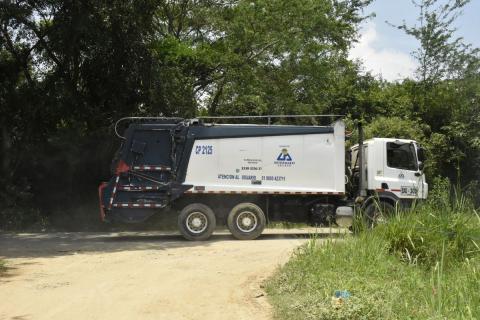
(409,191)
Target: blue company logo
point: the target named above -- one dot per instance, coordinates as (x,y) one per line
(284,155)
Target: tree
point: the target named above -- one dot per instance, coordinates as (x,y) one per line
(256,57)
(69,68)
(444,97)
(441,55)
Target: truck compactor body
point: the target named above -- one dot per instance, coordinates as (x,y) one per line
(247,175)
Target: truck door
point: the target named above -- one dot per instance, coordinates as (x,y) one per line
(401,169)
(148,150)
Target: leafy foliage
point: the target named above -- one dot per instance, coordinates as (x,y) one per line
(441,54)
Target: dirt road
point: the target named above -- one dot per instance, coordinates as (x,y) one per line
(138,275)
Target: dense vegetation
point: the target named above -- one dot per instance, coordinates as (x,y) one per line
(69,69)
(423,264)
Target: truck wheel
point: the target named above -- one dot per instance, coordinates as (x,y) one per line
(196,222)
(378,213)
(246,221)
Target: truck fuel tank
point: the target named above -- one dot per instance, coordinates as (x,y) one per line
(344,216)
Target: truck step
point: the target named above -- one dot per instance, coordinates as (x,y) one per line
(140,188)
(151,168)
(138,205)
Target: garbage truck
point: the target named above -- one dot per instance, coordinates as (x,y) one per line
(246,175)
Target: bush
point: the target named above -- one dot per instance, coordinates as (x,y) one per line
(17,210)
(423,264)
(306,284)
(445,226)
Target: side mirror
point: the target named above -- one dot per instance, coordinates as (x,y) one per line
(421,154)
(420,165)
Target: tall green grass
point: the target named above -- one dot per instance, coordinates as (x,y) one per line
(422,264)
(2,266)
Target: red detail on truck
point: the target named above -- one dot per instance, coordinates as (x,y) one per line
(100,193)
(121,167)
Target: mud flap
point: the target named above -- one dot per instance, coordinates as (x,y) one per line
(100,199)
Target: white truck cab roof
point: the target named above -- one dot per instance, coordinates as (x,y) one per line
(391,140)
(372,140)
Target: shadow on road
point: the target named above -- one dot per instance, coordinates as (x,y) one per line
(24,245)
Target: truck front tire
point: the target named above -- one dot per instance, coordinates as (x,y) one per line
(378,213)
(196,222)
(246,221)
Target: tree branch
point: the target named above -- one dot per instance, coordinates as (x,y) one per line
(21,59)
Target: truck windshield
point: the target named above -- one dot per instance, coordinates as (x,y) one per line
(401,156)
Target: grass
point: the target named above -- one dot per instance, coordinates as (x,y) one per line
(423,264)
(3,268)
(287,225)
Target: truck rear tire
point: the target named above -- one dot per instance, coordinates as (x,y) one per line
(246,221)
(196,222)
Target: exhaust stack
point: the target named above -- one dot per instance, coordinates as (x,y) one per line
(361,187)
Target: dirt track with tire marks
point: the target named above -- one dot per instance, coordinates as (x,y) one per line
(138,275)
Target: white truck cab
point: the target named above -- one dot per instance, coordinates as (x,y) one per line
(393,166)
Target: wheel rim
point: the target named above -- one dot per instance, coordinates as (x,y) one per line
(247,221)
(380,216)
(196,222)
